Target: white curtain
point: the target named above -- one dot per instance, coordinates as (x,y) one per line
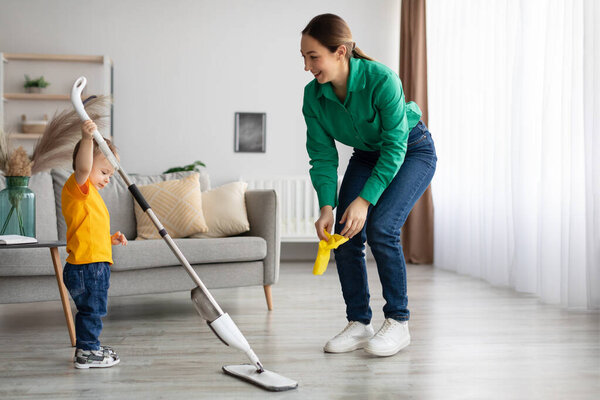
(514,109)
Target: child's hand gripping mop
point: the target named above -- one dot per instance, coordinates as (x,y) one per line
(220,323)
(324,252)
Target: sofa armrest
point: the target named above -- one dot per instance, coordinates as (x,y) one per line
(263,215)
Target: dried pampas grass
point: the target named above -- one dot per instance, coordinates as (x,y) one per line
(55,148)
(19,163)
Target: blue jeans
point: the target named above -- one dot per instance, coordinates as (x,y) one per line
(88,285)
(382,227)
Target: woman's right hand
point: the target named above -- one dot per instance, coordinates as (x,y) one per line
(325,222)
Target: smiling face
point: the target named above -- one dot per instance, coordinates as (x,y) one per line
(326,66)
(102,171)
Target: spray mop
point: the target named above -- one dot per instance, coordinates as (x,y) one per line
(219,322)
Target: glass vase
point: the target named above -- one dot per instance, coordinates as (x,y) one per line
(17,207)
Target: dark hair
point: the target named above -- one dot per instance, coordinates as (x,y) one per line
(332,32)
(97,150)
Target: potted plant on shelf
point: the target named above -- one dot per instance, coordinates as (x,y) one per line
(35,85)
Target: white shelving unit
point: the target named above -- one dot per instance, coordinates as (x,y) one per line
(61,71)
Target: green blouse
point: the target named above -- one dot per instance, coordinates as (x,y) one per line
(374,116)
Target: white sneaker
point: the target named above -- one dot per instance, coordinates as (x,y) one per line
(354,336)
(390,339)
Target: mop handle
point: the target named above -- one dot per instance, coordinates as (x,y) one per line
(79,108)
(78,104)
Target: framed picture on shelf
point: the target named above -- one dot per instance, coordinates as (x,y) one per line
(250,132)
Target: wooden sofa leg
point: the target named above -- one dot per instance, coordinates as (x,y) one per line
(269,297)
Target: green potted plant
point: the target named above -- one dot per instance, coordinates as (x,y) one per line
(195,166)
(35,85)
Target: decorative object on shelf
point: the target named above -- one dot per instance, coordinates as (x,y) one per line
(190,167)
(54,149)
(35,85)
(17,207)
(38,126)
(250,132)
(17,201)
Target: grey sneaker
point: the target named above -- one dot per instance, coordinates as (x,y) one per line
(108,351)
(103,358)
(354,336)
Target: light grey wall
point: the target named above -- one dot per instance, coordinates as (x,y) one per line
(184,67)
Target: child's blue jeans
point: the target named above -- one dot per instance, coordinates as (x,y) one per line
(88,285)
(382,228)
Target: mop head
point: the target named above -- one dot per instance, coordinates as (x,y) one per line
(267,379)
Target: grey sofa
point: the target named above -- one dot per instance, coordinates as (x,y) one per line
(145,266)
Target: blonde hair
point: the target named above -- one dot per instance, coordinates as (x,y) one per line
(97,150)
(332,32)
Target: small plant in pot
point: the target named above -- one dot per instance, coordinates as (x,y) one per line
(35,85)
(195,166)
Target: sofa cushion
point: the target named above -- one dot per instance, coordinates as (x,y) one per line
(225,212)
(177,204)
(140,254)
(27,262)
(45,210)
(117,198)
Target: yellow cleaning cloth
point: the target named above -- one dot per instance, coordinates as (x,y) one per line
(325,247)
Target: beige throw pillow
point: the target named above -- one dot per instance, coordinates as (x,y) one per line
(178,206)
(225,211)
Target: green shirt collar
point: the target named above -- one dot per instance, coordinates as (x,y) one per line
(356,80)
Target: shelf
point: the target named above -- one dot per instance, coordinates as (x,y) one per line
(53,57)
(38,96)
(35,96)
(25,136)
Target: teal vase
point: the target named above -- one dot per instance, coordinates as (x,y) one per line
(17,207)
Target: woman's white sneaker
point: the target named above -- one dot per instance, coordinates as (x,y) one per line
(390,339)
(354,336)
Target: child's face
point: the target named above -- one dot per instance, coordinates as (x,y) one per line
(102,171)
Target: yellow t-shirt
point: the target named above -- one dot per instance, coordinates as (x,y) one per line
(88,223)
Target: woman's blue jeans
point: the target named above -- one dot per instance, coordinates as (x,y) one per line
(88,286)
(382,227)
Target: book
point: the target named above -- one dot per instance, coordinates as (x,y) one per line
(16,239)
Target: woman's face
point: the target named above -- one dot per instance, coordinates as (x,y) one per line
(322,63)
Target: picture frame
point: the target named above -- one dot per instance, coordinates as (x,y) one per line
(250,132)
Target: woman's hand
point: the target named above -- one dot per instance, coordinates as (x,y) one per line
(354,217)
(118,238)
(325,222)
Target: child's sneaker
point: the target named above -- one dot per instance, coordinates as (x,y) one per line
(103,358)
(108,351)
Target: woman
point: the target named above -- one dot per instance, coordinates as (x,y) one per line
(360,103)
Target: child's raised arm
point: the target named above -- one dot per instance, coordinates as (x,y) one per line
(85,155)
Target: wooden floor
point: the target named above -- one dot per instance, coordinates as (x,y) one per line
(469,341)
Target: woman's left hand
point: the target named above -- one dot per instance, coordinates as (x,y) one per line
(354,217)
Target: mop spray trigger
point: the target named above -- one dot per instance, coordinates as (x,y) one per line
(324,252)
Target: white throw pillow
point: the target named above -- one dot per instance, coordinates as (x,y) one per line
(224,210)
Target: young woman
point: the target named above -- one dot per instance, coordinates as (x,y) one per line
(360,103)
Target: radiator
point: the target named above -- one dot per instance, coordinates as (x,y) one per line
(298,205)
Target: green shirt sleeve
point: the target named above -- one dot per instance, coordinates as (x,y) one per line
(323,159)
(389,100)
